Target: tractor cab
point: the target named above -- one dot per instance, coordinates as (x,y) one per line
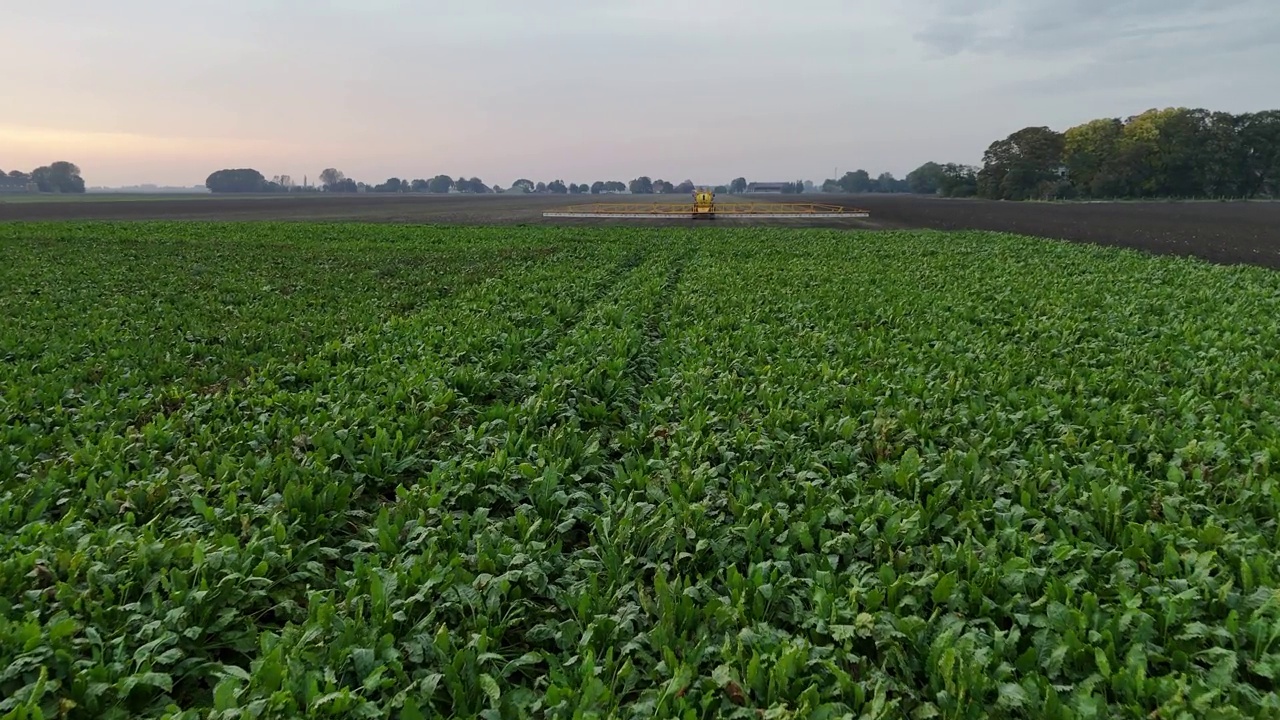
(703,201)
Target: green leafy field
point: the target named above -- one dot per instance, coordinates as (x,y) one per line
(290,470)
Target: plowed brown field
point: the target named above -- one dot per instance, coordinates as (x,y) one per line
(1219,232)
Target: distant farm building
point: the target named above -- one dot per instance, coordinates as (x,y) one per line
(16,185)
(765,187)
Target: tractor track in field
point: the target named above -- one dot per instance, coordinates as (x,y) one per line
(505,390)
(509,388)
(1219,232)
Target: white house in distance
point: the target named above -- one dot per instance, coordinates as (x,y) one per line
(9,185)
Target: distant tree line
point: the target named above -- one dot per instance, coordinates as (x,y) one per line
(949,180)
(860,181)
(1174,152)
(1171,153)
(57,177)
(247,180)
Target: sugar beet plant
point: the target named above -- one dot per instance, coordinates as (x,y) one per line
(261,471)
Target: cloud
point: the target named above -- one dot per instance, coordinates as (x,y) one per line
(1105,28)
(1040,62)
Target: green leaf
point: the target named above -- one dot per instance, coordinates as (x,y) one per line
(840,633)
(942,591)
(158,680)
(410,711)
(526,660)
(1011,696)
(234,671)
(224,694)
(1104,665)
(490,688)
(168,657)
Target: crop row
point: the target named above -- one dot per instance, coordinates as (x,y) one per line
(551,472)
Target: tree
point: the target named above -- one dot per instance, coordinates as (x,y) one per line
(958,181)
(43,178)
(522,185)
(557,187)
(418,185)
(1090,154)
(721,190)
(238,180)
(1181,136)
(597,187)
(57,177)
(1027,164)
(1260,145)
(392,185)
(440,184)
(574,189)
(662,186)
(1160,153)
(738,186)
(642,186)
(685,187)
(541,187)
(887,183)
(926,179)
(616,186)
(330,178)
(469,185)
(1222,172)
(856,181)
(66,177)
(1135,155)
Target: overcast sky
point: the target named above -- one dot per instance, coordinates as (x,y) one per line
(166,91)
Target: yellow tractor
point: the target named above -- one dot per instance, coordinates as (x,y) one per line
(704,203)
(705,208)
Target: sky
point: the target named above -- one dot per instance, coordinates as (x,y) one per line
(167,91)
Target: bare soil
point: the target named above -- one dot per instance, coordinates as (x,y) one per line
(1237,232)
(1221,232)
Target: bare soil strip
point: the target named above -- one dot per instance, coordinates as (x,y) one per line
(1217,232)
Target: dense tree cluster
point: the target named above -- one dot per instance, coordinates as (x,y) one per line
(57,177)
(949,180)
(859,181)
(1173,153)
(236,180)
(610,186)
